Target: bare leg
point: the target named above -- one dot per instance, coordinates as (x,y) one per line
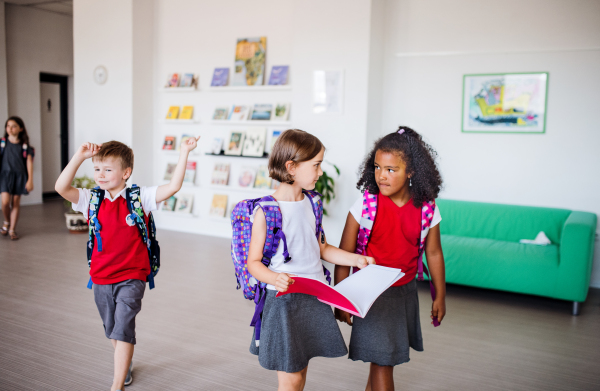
(292,381)
(6,206)
(368,387)
(14,213)
(123,355)
(382,378)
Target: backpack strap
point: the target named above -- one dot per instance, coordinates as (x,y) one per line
(369,212)
(96,197)
(317,205)
(2,145)
(427,211)
(136,214)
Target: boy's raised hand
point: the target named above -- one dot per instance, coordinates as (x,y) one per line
(87,150)
(364,261)
(190,144)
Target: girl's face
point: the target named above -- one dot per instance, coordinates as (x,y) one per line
(13,129)
(109,173)
(306,174)
(390,173)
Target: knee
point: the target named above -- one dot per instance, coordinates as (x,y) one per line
(6,204)
(292,381)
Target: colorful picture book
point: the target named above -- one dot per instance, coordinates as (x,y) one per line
(218,208)
(282,112)
(221,113)
(220,77)
(173,80)
(220,174)
(217,146)
(239,113)
(190,172)
(274,136)
(169,143)
(262,181)
(250,57)
(169,171)
(234,143)
(246,177)
(261,112)
(169,204)
(173,112)
(356,294)
(187,112)
(187,80)
(279,75)
(254,143)
(184,203)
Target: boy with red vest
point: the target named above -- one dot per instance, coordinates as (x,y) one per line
(120,266)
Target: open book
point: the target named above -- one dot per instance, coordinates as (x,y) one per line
(356,294)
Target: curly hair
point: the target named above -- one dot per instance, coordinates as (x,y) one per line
(419,158)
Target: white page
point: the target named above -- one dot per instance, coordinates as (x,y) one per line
(365,286)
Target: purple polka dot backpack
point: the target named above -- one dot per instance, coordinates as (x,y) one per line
(369,212)
(242,218)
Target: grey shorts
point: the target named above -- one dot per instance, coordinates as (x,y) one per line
(118,304)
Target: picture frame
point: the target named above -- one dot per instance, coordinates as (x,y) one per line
(254,142)
(234,143)
(505,102)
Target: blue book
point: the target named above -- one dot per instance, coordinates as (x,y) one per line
(220,77)
(279,75)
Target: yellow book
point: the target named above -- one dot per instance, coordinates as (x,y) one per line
(187,112)
(173,112)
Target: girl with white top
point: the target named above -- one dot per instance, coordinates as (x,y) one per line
(296,327)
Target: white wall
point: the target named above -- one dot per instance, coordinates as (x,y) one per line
(3,80)
(556,169)
(36,41)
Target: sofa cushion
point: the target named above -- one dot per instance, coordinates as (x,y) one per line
(502,265)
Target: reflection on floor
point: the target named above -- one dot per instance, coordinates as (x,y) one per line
(193,331)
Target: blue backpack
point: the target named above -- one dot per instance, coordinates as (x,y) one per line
(148,236)
(242,218)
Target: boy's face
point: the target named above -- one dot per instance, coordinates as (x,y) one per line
(109,174)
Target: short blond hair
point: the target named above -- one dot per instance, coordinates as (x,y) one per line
(116,149)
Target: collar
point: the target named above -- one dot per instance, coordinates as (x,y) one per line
(120,194)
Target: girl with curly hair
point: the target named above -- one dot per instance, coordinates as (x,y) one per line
(401,172)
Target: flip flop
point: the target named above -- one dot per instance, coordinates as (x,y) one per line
(13,235)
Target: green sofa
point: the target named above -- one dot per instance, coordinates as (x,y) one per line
(481,249)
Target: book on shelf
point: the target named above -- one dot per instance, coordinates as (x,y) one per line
(234,143)
(261,112)
(281,112)
(254,143)
(187,80)
(169,204)
(169,171)
(187,112)
(169,143)
(274,136)
(217,146)
(218,208)
(246,177)
(249,66)
(356,294)
(190,172)
(184,203)
(262,181)
(173,112)
(279,75)
(239,113)
(220,174)
(220,77)
(275,184)
(173,80)
(221,113)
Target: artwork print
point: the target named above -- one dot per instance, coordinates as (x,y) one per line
(510,102)
(250,57)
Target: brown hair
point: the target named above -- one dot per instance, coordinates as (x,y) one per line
(295,145)
(23,136)
(116,149)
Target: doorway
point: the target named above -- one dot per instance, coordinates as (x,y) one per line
(54,110)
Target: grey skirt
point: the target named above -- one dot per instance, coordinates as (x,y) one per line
(295,328)
(391,327)
(13,182)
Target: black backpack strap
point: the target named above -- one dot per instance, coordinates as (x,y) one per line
(96,198)
(136,213)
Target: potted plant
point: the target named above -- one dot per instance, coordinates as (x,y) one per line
(76,223)
(326,186)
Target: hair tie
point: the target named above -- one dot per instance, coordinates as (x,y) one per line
(401,131)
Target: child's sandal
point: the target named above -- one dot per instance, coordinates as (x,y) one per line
(4,230)
(13,235)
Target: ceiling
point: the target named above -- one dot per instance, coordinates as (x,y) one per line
(59,7)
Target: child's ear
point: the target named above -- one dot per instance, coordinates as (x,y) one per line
(127,173)
(290,167)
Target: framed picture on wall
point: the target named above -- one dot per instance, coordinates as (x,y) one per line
(505,103)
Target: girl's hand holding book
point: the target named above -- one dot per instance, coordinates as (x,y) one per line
(363,261)
(343,316)
(283,281)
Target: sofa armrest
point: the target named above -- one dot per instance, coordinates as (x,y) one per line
(576,256)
